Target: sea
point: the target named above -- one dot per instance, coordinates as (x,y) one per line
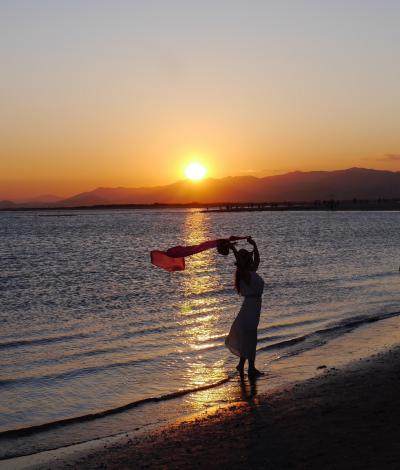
(96,341)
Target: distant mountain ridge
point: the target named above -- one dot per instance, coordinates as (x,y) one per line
(45,198)
(347,184)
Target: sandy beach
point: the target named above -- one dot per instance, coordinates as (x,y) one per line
(345,418)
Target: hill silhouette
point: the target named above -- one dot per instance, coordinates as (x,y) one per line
(297,186)
(347,184)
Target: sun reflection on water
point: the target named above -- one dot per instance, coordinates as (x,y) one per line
(199,279)
(199,315)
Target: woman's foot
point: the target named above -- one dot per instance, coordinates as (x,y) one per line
(255,372)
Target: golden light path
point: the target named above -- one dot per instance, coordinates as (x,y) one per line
(200,315)
(198,279)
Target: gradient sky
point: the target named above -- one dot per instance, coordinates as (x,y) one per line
(125,93)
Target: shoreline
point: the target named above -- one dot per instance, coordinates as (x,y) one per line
(343,418)
(346,205)
(284,373)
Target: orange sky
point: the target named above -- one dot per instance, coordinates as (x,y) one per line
(127,94)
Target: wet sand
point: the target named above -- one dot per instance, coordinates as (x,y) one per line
(343,419)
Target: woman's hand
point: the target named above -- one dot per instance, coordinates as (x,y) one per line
(251,241)
(256,254)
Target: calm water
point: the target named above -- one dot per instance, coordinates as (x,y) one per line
(87,324)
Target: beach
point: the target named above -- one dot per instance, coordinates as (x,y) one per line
(345,418)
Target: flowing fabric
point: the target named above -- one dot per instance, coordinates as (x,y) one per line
(162,260)
(174,258)
(242,338)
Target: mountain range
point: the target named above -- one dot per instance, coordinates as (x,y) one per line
(347,184)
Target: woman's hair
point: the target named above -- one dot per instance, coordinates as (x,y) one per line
(242,266)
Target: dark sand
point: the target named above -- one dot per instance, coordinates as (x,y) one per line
(343,419)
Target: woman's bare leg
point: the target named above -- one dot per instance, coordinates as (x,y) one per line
(252,368)
(240,366)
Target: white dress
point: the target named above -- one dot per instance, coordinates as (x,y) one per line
(242,338)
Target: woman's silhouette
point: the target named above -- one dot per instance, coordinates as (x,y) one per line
(242,338)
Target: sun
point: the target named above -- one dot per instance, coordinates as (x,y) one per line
(195,171)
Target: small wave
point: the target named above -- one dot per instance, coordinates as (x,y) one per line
(70,374)
(345,325)
(40,341)
(271,328)
(291,324)
(56,215)
(301,283)
(269,338)
(153,330)
(375,275)
(101,414)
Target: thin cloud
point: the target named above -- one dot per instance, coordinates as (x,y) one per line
(390,157)
(265,172)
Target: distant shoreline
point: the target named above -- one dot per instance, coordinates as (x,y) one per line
(325,205)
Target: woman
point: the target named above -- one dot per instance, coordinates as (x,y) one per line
(242,338)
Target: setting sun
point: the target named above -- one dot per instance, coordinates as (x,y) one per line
(195,171)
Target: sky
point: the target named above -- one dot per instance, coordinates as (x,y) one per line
(126,93)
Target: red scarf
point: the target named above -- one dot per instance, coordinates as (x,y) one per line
(174,258)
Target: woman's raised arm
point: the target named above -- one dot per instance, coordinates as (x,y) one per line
(256,253)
